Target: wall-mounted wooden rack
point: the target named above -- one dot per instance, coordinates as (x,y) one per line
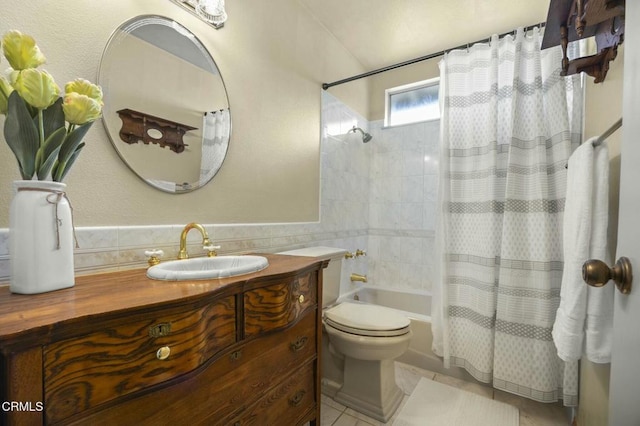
(136,126)
(571,20)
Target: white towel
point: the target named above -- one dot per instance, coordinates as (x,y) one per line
(585,316)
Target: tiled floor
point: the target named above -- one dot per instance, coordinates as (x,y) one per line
(531,413)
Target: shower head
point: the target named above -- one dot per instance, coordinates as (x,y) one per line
(366,137)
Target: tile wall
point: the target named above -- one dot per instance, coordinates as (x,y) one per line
(378,197)
(402,204)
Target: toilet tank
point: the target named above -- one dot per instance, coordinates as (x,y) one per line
(331,274)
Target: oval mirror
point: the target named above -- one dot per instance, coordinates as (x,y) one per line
(166,109)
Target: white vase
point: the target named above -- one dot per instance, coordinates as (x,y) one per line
(41,237)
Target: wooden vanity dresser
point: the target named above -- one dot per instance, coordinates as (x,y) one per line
(122,349)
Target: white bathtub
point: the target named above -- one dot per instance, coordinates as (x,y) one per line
(416,305)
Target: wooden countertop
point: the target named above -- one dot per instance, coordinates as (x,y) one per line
(114,295)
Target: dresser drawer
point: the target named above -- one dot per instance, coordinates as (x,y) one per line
(226,387)
(286,404)
(278,305)
(265,362)
(84,372)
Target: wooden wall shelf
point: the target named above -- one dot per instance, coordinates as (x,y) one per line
(571,20)
(136,127)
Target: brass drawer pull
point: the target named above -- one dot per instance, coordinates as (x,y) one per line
(301,298)
(299,343)
(163,352)
(235,355)
(296,399)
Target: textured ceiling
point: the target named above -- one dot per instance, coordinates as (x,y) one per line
(383,32)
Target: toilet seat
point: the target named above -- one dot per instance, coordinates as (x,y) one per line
(366,320)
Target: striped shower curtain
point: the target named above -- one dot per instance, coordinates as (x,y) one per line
(509,123)
(216,128)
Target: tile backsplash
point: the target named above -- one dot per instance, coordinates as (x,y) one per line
(379,197)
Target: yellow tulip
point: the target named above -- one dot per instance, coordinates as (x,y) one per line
(12,75)
(49,152)
(21,51)
(37,88)
(85,87)
(80,109)
(5,91)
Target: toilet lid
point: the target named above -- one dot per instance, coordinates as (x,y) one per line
(367,320)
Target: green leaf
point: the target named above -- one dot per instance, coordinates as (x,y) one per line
(72,141)
(63,170)
(50,150)
(53,118)
(21,135)
(54,170)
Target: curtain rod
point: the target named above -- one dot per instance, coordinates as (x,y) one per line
(325,86)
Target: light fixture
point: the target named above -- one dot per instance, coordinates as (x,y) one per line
(210,11)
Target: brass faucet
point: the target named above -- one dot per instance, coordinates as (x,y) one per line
(358,277)
(360,253)
(206,243)
(153,256)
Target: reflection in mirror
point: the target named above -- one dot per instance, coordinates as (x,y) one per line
(154,133)
(176,133)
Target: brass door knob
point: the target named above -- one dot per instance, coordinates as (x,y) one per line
(596,273)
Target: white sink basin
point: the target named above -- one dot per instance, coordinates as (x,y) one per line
(202,268)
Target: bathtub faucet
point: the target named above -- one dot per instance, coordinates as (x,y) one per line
(358,277)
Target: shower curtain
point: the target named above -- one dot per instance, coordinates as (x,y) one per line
(215,139)
(509,123)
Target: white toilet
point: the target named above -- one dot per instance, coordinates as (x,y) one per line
(360,343)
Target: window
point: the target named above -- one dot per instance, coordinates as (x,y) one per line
(412,103)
